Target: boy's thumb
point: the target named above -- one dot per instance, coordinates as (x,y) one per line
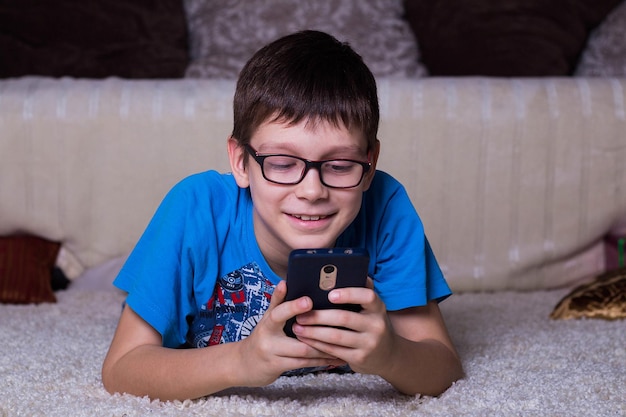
(278,296)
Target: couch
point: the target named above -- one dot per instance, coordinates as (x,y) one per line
(518,173)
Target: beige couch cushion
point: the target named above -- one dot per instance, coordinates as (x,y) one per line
(517,180)
(87,162)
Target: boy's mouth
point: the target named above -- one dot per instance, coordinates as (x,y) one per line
(307,218)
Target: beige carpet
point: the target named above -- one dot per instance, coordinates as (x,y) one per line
(518,363)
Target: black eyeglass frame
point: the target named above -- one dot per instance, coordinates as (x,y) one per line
(308,164)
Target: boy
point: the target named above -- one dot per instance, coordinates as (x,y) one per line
(209,269)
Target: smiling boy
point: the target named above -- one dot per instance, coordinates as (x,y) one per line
(208,272)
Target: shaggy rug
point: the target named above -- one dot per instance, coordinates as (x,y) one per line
(518,363)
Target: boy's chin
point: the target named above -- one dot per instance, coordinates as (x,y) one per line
(314,244)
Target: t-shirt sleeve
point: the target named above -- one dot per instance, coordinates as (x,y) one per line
(405,270)
(159,273)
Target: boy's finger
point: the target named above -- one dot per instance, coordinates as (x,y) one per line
(365,297)
(281,311)
(278,296)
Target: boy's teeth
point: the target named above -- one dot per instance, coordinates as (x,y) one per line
(308,218)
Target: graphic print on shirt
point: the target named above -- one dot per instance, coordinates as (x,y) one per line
(239,300)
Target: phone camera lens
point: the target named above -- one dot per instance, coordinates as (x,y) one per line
(329,269)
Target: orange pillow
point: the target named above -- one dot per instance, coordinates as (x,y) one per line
(26,264)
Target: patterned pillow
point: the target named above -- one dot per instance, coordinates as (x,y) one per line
(223,35)
(602,298)
(605,53)
(26,265)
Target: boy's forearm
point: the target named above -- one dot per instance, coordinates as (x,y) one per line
(169,374)
(427,367)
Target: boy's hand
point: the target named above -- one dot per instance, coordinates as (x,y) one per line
(367,338)
(268,352)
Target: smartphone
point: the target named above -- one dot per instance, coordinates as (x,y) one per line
(315,272)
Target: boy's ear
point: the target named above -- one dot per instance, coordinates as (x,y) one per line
(236,156)
(374,152)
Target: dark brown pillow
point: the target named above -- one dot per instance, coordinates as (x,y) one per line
(503,37)
(26,264)
(93,39)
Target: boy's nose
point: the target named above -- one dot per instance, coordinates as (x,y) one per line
(311,187)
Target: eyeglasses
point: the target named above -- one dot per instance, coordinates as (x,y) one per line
(291,170)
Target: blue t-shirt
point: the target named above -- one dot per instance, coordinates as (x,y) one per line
(198,277)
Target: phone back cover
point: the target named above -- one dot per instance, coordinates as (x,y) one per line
(303,273)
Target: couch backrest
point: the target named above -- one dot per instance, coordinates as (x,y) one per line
(516,180)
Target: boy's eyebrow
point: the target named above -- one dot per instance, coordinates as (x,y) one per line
(289,149)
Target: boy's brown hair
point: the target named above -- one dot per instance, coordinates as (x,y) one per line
(308,76)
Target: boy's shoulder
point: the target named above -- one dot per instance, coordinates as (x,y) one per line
(383,177)
(207,187)
(386,192)
(209,177)
(385,184)
(211,181)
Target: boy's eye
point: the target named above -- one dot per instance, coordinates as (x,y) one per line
(339,167)
(281,164)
